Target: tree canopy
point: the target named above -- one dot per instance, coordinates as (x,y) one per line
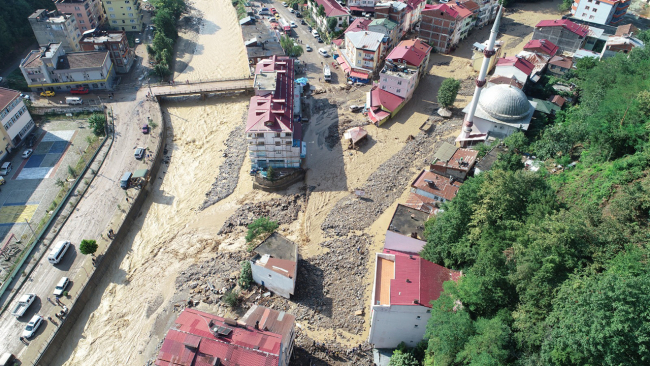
(88,246)
(448,92)
(554,263)
(15,30)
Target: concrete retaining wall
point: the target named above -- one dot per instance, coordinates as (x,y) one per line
(105,261)
(64,109)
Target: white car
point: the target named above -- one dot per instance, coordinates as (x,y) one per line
(32,326)
(291,11)
(137,41)
(139,153)
(323,52)
(308,48)
(292,24)
(284,3)
(27,153)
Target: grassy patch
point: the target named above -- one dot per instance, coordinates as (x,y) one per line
(240,7)
(17,81)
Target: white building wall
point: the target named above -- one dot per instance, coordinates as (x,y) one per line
(427,194)
(397,85)
(390,325)
(274,146)
(279,284)
(585,11)
(18,123)
(510,71)
(496,128)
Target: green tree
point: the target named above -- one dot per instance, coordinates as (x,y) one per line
(260,226)
(165,23)
(600,320)
(162,42)
(231,298)
(246,275)
(448,92)
(400,358)
(88,247)
(295,6)
(161,70)
(97,122)
(490,345)
(331,24)
(321,10)
(516,142)
(509,161)
(270,174)
(290,47)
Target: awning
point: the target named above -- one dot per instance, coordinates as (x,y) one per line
(140,173)
(344,65)
(355,134)
(359,75)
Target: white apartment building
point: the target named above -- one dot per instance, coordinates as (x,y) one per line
(54,27)
(600,11)
(15,119)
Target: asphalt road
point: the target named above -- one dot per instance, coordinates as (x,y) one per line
(88,221)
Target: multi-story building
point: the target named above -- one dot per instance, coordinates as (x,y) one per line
(362,53)
(333,10)
(395,11)
(487,11)
(404,286)
(413,13)
(274,137)
(464,21)
(620,44)
(54,27)
(262,336)
(567,35)
(88,13)
(15,120)
(477,55)
(51,68)
(439,27)
(358,7)
(124,15)
(388,28)
(600,11)
(115,42)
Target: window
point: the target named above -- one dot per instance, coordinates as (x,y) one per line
(259,135)
(399,82)
(288,143)
(416,326)
(591,17)
(110,9)
(594,10)
(260,143)
(112,15)
(278,143)
(597,2)
(398,90)
(79,15)
(77,8)
(109,2)
(82,22)
(418,317)
(132,20)
(114,21)
(586,8)
(277,134)
(134,27)
(584,14)
(128,8)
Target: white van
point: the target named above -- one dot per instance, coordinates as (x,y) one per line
(314,33)
(73,100)
(323,52)
(6,168)
(58,251)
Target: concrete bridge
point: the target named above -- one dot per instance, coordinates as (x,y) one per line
(202,88)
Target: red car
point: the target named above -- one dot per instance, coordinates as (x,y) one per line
(273,11)
(81,90)
(145,128)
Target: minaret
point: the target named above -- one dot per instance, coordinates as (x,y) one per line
(488,52)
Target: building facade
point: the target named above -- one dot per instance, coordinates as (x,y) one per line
(565,34)
(363,52)
(516,66)
(15,119)
(388,28)
(404,286)
(333,10)
(600,11)
(125,15)
(275,265)
(438,27)
(88,13)
(465,22)
(51,68)
(274,137)
(115,42)
(54,27)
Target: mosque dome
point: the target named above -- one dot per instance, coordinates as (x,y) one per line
(505,103)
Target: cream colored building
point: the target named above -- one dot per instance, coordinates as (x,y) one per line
(16,122)
(124,15)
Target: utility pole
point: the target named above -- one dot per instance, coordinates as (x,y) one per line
(30,227)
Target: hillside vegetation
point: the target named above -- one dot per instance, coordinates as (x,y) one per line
(555,265)
(15,31)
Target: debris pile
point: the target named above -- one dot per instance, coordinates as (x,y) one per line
(282,210)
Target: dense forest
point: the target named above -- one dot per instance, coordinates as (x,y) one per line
(15,31)
(555,263)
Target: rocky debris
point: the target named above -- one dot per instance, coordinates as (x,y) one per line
(332,137)
(283,210)
(306,351)
(226,181)
(467,86)
(209,280)
(386,184)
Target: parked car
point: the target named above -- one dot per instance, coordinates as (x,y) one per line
(7,359)
(309,28)
(284,3)
(32,326)
(308,48)
(23,303)
(25,96)
(323,52)
(277,15)
(273,11)
(291,11)
(6,168)
(298,15)
(302,21)
(48,93)
(137,41)
(27,153)
(79,90)
(314,33)
(60,287)
(139,153)
(356,108)
(292,24)
(273,20)
(145,128)
(320,40)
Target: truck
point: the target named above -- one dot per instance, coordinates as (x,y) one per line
(286,27)
(327,74)
(23,303)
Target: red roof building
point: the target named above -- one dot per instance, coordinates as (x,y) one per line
(332,8)
(436,186)
(359,24)
(382,105)
(452,161)
(542,46)
(565,34)
(557,100)
(263,337)
(412,52)
(559,65)
(270,118)
(514,66)
(404,287)
(580,30)
(438,26)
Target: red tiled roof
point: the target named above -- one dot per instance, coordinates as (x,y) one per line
(541,45)
(441,186)
(625,30)
(7,96)
(520,63)
(411,51)
(418,280)
(443,9)
(191,342)
(421,203)
(498,79)
(557,100)
(467,156)
(463,12)
(385,99)
(359,24)
(561,61)
(332,8)
(567,24)
(359,75)
(470,5)
(273,112)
